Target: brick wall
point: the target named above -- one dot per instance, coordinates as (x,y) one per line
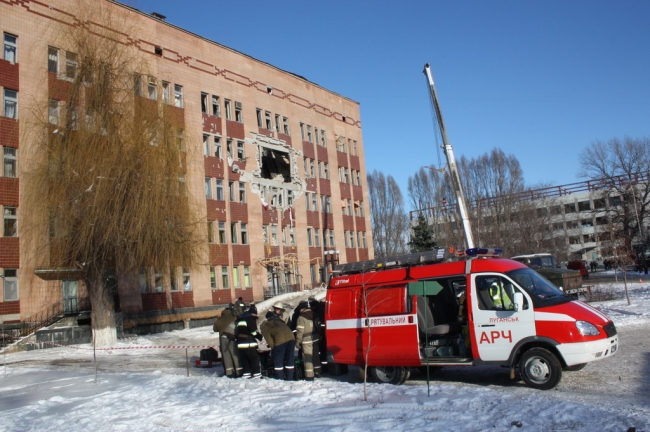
(9,252)
(9,129)
(221,297)
(9,75)
(235,129)
(241,253)
(182,299)
(154,301)
(10,307)
(9,188)
(219,254)
(212,124)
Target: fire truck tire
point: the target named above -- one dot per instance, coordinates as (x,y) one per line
(540,369)
(389,374)
(575,368)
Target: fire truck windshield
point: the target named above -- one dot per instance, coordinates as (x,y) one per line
(543,292)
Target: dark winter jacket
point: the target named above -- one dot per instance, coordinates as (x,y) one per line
(223,325)
(246,331)
(276,332)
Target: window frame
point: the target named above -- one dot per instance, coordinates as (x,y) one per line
(9,101)
(11,160)
(7,48)
(10,277)
(9,220)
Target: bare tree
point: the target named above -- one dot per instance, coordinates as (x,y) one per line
(107,177)
(503,211)
(390,225)
(624,167)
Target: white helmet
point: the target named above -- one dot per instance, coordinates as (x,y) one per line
(278,305)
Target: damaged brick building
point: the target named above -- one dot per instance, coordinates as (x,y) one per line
(281,174)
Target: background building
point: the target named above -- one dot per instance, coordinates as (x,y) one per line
(276,160)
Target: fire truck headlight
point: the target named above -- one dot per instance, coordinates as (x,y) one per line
(587,329)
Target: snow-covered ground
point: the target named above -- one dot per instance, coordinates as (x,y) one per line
(146,389)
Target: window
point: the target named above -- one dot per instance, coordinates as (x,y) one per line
(239,117)
(224,277)
(137,84)
(328,204)
(316,237)
(53,112)
(220,190)
(345,239)
(348,204)
(240,151)
(274,235)
(152,90)
(322,138)
(11,104)
(354,148)
(70,65)
(178,96)
(292,237)
(284,235)
(352,239)
(309,137)
(217,147)
(258,112)
(206,145)
(244,233)
(316,135)
(242,192)
(314,202)
(52,60)
(331,235)
(158,281)
(222,233)
(208,188)
(180,139)
(327,170)
(310,234)
(9,162)
(233,232)
(10,284)
(216,109)
(231,191)
(166,92)
(235,277)
(495,293)
(10,222)
(363,237)
(247,277)
(267,120)
(302,131)
(10,48)
(144,280)
(229,147)
(213,278)
(285,123)
(569,208)
(312,168)
(204,103)
(265,234)
(278,126)
(210,231)
(584,206)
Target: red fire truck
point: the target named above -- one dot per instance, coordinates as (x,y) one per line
(421,309)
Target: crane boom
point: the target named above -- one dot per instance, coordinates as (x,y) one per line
(451,162)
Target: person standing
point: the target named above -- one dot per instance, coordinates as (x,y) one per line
(307,341)
(225,325)
(281,312)
(280,339)
(247,337)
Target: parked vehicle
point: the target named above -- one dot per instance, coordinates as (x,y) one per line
(420,310)
(580,266)
(569,281)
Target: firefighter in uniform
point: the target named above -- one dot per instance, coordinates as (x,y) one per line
(281,312)
(307,341)
(280,339)
(499,296)
(247,336)
(225,325)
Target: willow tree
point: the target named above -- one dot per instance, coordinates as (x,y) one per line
(107,179)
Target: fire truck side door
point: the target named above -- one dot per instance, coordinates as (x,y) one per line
(497,327)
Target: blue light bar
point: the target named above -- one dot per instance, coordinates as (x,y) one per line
(486,252)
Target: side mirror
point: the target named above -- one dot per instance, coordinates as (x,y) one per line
(519,301)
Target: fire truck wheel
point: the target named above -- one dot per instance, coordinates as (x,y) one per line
(540,369)
(575,368)
(389,374)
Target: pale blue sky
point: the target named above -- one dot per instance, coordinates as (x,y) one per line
(539,79)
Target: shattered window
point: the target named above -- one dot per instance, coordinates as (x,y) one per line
(276,165)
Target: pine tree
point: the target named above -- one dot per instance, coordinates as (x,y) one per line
(422,236)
